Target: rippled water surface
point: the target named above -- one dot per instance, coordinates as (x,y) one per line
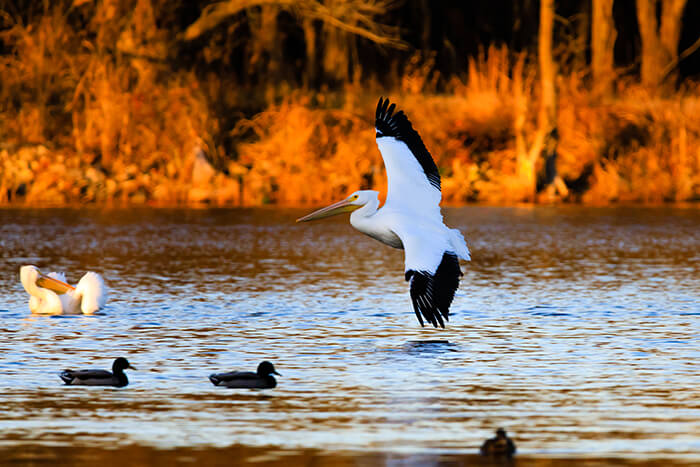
(577,329)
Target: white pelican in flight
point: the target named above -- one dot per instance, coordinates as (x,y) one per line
(50,294)
(410,218)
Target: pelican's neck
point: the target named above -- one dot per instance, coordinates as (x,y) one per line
(368,220)
(28,281)
(49,302)
(29,284)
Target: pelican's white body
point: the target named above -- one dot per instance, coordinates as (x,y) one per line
(424,238)
(89,296)
(411,217)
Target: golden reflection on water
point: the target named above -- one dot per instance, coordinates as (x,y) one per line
(577,329)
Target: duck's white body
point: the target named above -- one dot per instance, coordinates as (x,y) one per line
(51,295)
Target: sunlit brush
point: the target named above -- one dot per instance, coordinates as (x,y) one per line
(99,377)
(410,218)
(262,379)
(51,295)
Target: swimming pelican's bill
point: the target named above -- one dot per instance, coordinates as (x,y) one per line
(56,285)
(336,208)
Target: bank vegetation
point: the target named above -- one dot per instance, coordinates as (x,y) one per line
(250,102)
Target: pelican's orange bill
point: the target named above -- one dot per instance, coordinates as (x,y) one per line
(336,208)
(50,283)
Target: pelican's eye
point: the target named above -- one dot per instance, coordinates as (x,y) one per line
(354,198)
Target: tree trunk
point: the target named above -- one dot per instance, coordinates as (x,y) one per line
(670,33)
(548,110)
(525,170)
(424,8)
(547,117)
(310,41)
(582,30)
(547,120)
(265,54)
(603,44)
(659,44)
(336,54)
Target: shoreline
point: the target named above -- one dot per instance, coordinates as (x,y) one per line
(204,206)
(135,454)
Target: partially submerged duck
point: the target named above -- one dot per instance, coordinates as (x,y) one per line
(499,446)
(50,294)
(262,379)
(99,377)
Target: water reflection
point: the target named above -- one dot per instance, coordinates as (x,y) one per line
(576,329)
(431,346)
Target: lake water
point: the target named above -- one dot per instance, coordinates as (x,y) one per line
(576,329)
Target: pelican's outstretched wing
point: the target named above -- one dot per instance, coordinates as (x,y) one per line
(431,268)
(413,177)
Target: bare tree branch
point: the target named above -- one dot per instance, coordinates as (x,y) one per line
(687,52)
(353,16)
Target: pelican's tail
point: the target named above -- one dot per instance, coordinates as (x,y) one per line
(93,291)
(459,244)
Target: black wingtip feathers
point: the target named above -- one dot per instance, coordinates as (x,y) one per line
(397,125)
(432,294)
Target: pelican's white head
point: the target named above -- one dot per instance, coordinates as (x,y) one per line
(354,201)
(28,275)
(363,197)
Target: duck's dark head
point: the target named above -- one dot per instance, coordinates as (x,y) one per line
(121,364)
(501,433)
(266,368)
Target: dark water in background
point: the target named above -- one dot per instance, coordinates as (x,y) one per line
(577,329)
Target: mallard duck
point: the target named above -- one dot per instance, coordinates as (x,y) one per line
(500,446)
(99,377)
(262,379)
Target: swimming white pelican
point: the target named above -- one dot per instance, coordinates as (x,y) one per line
(50,294)
(410,218)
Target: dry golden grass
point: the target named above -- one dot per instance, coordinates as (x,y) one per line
(121,130)
(306,155)
(78,125)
